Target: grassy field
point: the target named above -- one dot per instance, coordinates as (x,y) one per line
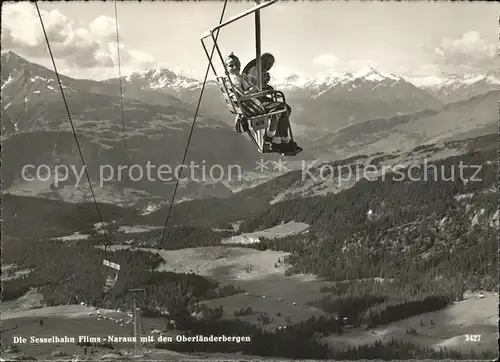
(280,311)
(32,299)
(258,272)
(74,321)
(267,290)
(111,194)
(70,321)
(449,329)
(278,231)
(255,271)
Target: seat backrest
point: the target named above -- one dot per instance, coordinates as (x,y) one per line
(229,95)
(111,264)
(247,108)
(257,125)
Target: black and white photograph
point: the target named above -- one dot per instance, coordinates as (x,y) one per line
(249,180)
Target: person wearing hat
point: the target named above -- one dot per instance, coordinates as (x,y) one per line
(245,83)
(266,62)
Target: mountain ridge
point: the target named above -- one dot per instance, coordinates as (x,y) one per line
(332,101)
(154,125)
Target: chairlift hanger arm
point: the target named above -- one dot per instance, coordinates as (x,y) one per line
(237,17)
(258,51)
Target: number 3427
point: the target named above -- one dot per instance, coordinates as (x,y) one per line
(472,337)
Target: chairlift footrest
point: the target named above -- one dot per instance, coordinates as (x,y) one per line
(267,148)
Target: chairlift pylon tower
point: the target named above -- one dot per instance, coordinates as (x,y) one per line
(137,345)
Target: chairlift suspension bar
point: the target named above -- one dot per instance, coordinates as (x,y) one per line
(208,56)
(210,33)
(215,47)
(258,47)
(239,16)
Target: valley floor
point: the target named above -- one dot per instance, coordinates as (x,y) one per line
(74,321)
(260,275)
(471,316)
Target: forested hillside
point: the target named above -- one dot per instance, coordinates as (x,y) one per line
(396,248)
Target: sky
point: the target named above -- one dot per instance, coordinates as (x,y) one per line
(307,38)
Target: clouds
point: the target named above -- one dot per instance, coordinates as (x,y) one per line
(361,65)
(326,60)
(424,70)
(28,35)
(88,47)
(468,53)
(103,27)
(469,50)
(332,62)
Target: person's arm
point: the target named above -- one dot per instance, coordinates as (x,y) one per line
(238,86)
(243,86)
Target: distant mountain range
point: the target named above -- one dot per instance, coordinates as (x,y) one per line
(36,130)
(331,101)
(342,99)
(477,116)
(451,88)
(442,85)
(334,116)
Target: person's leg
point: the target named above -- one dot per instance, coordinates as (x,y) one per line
(283,124)
(283,132)
(271,133)
(273,125)
(239,124)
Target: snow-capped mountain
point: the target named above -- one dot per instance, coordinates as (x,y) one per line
(25,84)
(158,79)
(349,81)
(340,98)
(28,88)
(34,114)
(157,85)
(332,100)
(446,87)
(368,84)
(453,88)
(8,126)
(287,79)
(159,108)
(22,80)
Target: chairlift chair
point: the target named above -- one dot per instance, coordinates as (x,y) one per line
(113,270)
(254,124)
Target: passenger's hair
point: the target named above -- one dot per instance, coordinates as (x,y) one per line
(234,58)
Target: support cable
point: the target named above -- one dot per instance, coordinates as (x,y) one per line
(121,85)
(192,128)
(71,122)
